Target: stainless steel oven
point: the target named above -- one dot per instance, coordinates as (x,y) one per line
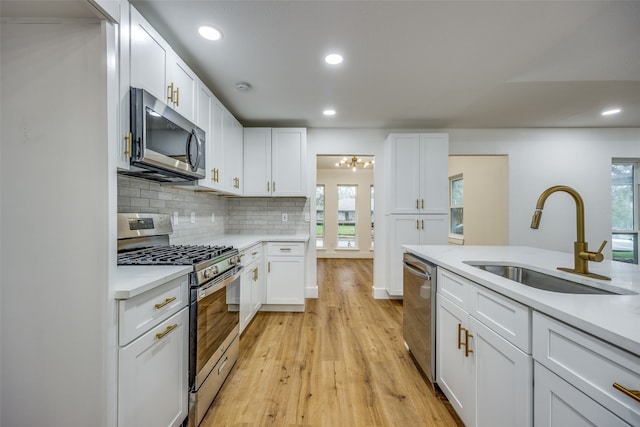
(214,337)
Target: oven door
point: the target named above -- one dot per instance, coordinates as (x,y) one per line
(214,323)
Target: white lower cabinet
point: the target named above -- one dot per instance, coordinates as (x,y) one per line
(481,370)
(153,366)
(251,285)
(285,273)
(575,375)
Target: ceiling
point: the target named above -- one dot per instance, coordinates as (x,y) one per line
(413,64)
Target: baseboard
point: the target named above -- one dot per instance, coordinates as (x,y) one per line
(311,292)
(282,307)
(380,293)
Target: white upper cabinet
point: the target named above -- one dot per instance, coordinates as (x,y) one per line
(156,68)
(418,173)
(275,162)
(230,175)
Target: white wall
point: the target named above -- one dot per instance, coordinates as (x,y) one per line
(56,209)
(541,158)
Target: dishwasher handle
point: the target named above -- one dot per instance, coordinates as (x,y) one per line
(416,271)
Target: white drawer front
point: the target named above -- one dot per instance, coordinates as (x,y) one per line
(509,319)
(590,364)
(457,289)
(285,248)
(252,254)
(142,312)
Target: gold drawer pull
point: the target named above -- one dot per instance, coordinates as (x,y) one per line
(166,331)
(170,93)
(129,140)
(285,249)
(254,253)
(634,394)
(167,301)
(467,335)
(460,329)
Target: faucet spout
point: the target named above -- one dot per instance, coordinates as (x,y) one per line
(535,221)
(581,255)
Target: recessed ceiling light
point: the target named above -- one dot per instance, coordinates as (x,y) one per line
(210,33)
(333,59)
(329,112)
(611,111)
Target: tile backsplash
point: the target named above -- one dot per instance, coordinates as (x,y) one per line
(231,215)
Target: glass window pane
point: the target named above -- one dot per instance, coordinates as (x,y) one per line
(625,247)
(347,216)
(320,216)
(457,192)
(456,222)
(622,197)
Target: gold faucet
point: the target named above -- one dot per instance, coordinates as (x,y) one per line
(581,256)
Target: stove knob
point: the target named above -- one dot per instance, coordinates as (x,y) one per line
(234,260)
(214,270)
(206,273)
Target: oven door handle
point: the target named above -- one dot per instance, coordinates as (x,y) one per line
(206,290)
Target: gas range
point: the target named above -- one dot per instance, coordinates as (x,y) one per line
(143,239)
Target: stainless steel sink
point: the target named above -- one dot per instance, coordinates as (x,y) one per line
(543,281)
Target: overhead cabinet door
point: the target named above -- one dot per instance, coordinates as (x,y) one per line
(288,162)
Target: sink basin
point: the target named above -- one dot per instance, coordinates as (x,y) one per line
(543,281)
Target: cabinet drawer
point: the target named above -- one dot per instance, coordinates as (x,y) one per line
(142,312)
(509,319)
(589,364)
(458,289)
(252,254)
(285,248)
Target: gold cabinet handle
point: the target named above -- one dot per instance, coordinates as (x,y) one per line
(129,141)
(634,394)
(166,331)
(177,97)
(267,186)
(269,267)
(285,249)
(255,274)
(254,253)
(422,203)
(417,204)
(167,301)
(467,350)
(273,187)
(170,93)
(417,224)
(460,329)
(423,224)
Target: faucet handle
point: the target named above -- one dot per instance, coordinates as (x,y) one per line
(594,256)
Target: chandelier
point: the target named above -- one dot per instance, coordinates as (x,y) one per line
(354,163)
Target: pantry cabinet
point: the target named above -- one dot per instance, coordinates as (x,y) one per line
(285,275)
(153,356)
(418,173)
(483,365)
(158,69)
(275,162)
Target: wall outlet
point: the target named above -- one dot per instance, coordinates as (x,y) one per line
(285,217)
(213,217)
(307,217)
(193,218)
(176,219)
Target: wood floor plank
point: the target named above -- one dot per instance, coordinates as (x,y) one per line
(340,363)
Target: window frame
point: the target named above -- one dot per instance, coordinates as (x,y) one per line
(635,230)
(453,179)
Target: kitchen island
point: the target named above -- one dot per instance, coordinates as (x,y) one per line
(511,354)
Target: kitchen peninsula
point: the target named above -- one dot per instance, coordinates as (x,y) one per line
(578,349)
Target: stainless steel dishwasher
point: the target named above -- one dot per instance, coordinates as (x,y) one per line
(419,312)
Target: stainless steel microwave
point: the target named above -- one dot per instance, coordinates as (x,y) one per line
(165,146)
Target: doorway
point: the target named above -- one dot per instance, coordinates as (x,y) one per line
(345,223)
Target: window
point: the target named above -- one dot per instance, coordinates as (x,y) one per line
(347,216)
(456,198)
(372,219)
(320,216)
(624,210)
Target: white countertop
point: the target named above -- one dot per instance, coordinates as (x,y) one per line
(132,280)
(613,318)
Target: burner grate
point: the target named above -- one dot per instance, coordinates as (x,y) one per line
(173,255)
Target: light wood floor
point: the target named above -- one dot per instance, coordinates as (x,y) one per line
(340,363)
